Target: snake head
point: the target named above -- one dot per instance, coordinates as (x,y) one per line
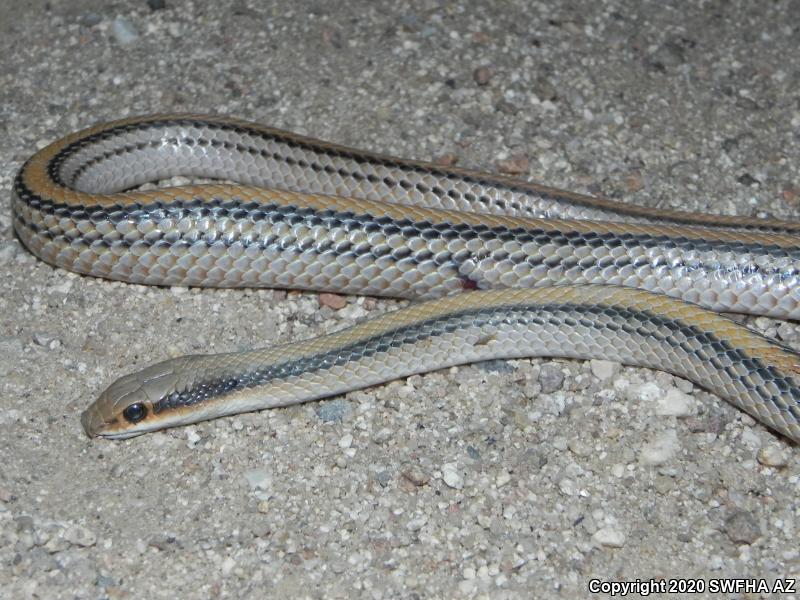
(129,406)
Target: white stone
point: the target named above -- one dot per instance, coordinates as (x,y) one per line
(124,31)
(259,479)
(604,369)
(452,477)
(192,438)
(660,449)
(227,565)
(646,392)
(567,487)
(609,537)
(417,523)
(773,456)
(80,536)
(750,438)
(675,404)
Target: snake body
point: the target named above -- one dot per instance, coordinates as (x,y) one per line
(549,272)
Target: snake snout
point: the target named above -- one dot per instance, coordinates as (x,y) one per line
(91,421)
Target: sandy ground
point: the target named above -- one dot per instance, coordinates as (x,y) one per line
(508,480)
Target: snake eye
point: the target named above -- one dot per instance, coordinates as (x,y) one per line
(135,412)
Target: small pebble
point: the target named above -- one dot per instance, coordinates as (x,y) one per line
(567,487)
(383,478)
(227,565)
(104,581)
(633,182)
(416,476)
(155,5)
(684,385)
(544,89)
(80,536)
(446,160)
(192,438)
(382,436)
(773,456)
(46,340)
(417,523)
(551,377)
(25,541)
(742,527)
(609,537)
(661,449)
(788,333)
(496,366)
(506,107)
(604,369)
(334,411)
(646,392)
(346,441)
(517,164)
(579,447)
(258,479)
(334,301)
(58,542)
(124,31)
(466,587)
(663,484)
(482,75)
(675,404)
(751,438)
(23,523)
(451,477)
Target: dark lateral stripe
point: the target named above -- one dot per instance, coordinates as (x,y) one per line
(178,209)
(632,321)
(408,229)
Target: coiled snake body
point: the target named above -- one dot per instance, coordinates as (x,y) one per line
(548,272)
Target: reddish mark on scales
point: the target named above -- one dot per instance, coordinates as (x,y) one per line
(468,284)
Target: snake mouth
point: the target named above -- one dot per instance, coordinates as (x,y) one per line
(94,426)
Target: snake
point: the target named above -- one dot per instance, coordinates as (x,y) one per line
(495,266)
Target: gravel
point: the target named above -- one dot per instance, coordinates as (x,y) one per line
(513,479)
